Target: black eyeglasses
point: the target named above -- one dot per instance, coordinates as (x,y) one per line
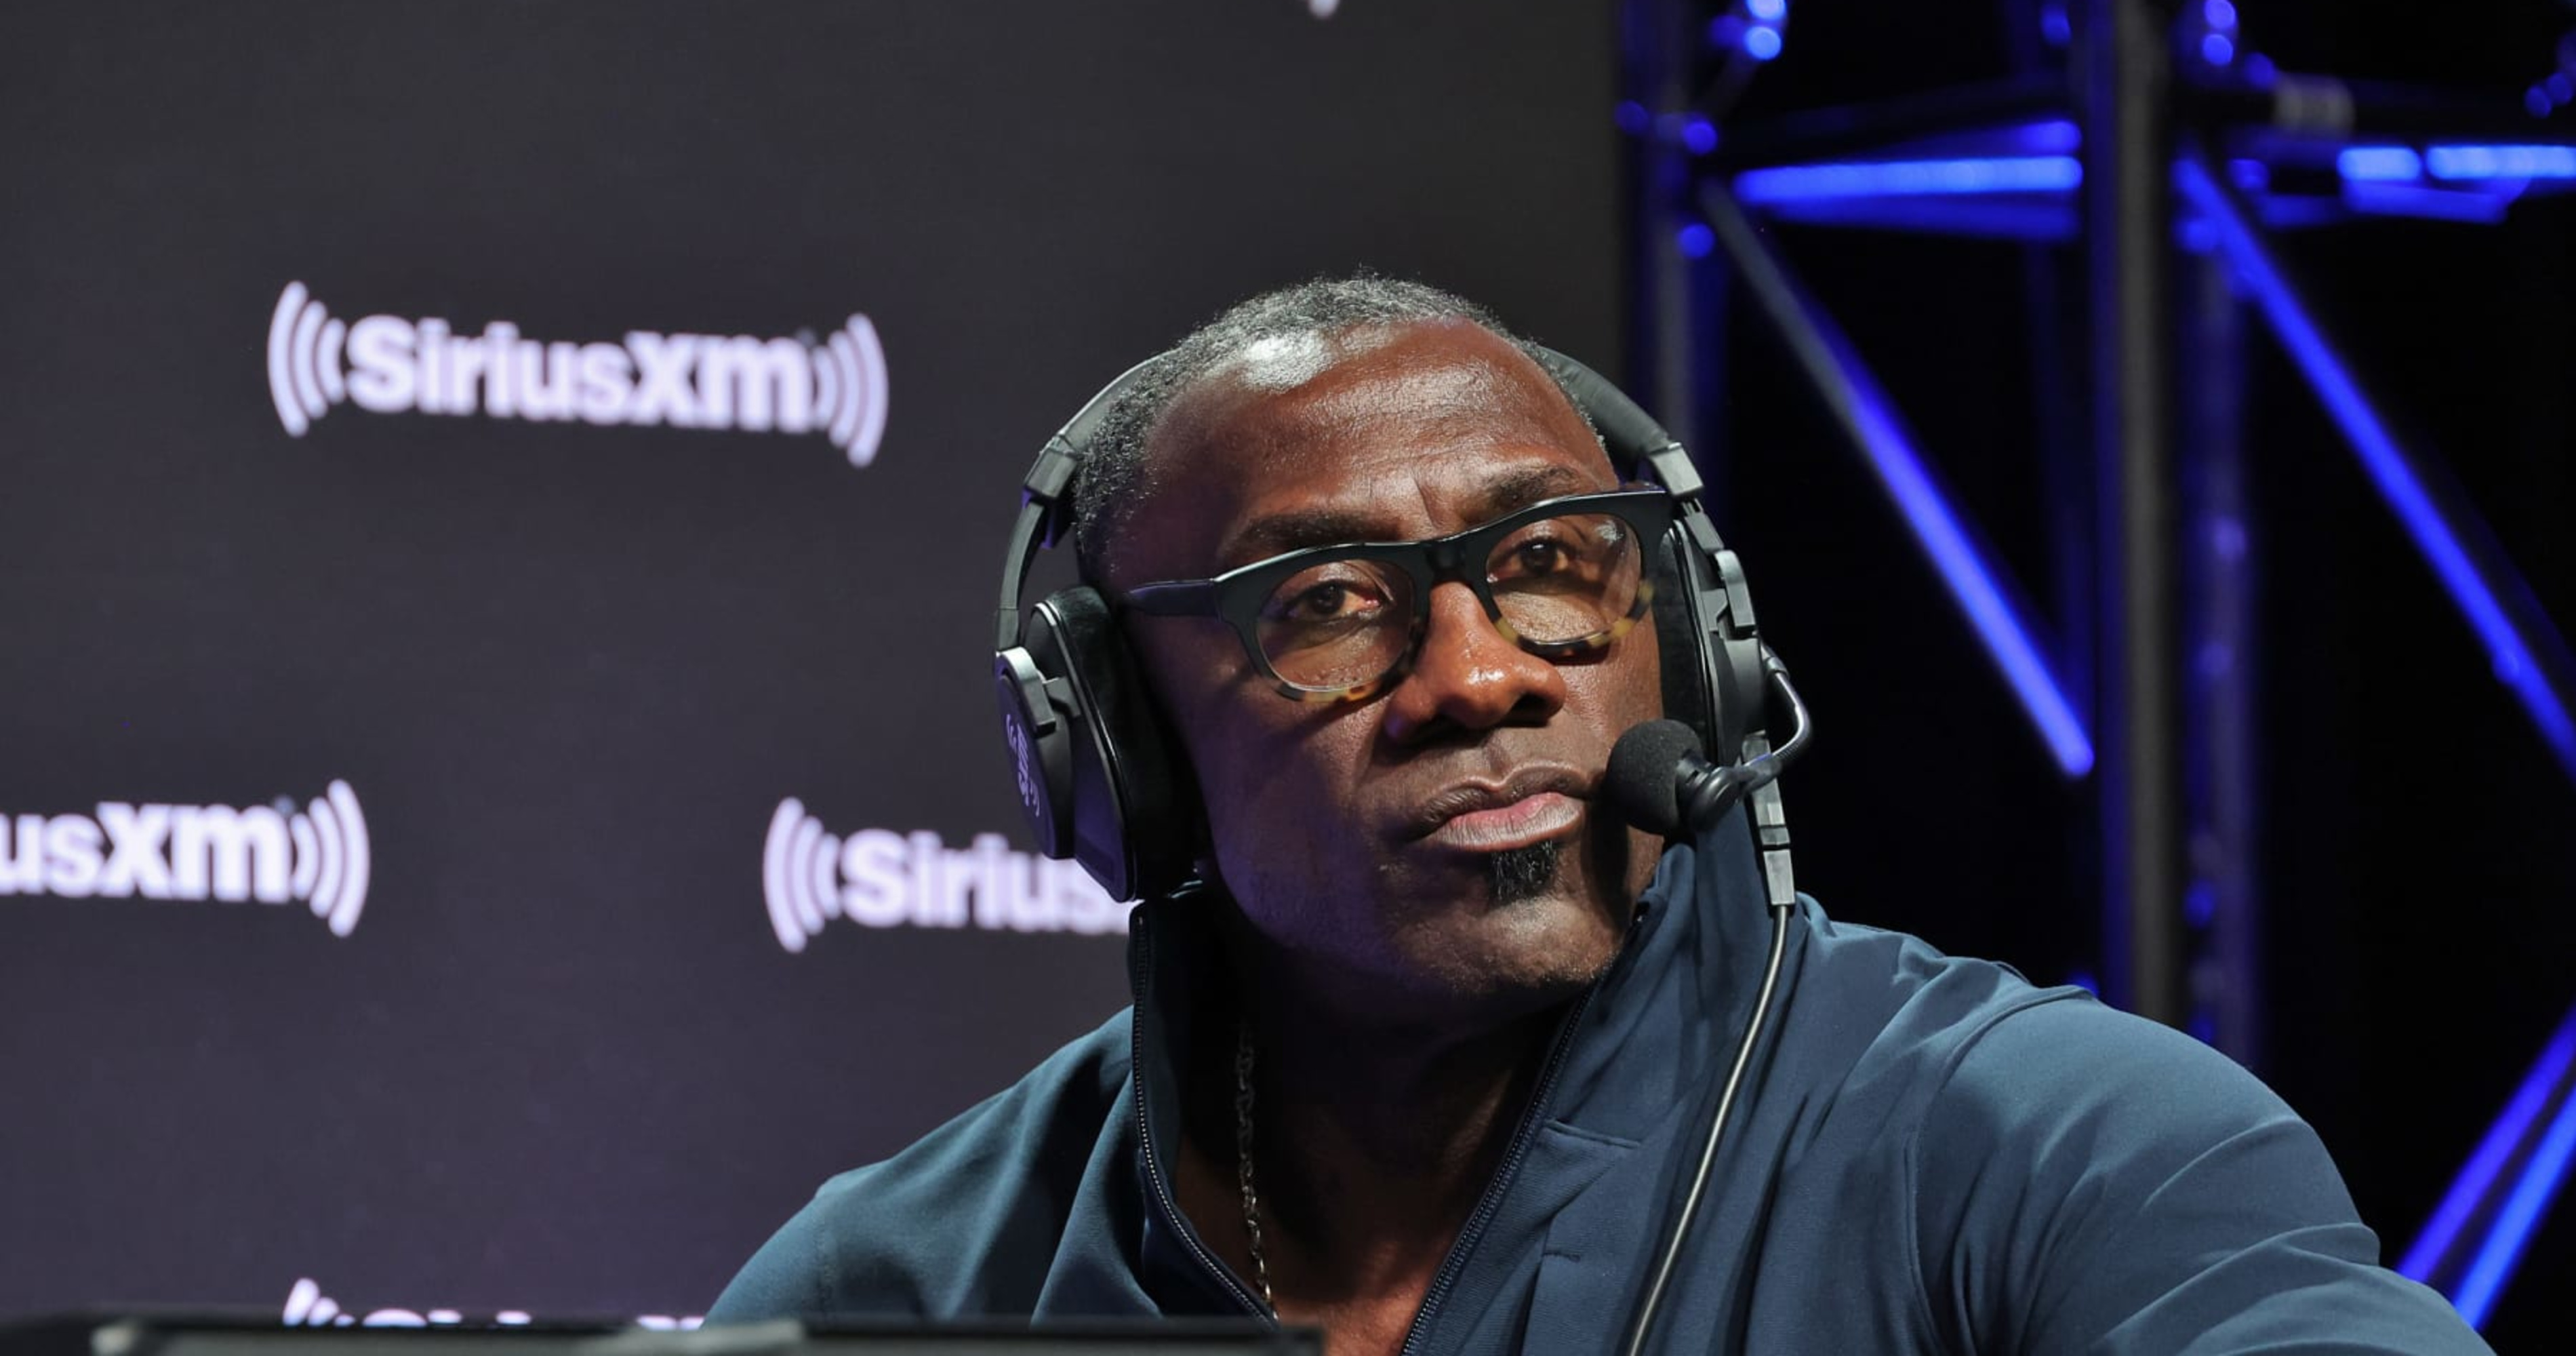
(1337,623)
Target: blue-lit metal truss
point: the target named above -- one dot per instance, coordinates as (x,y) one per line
(2469,1248)
(1997,163)
(1993,606)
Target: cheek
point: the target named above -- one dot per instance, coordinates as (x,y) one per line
(1278,776)
(1263,763)
(1622,689)
(1643,674)
(1278,779)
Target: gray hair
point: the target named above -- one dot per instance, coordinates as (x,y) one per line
(1112,480)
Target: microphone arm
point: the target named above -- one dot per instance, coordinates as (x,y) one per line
(1704,794)
(1707,791)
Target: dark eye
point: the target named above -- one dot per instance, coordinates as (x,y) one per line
(1540,557)
(1550,548)
(1322,602)
(1328,600)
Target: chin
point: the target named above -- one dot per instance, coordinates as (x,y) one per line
(1520,953)
(1458,941)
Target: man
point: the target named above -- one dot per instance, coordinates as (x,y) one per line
(1428,1061)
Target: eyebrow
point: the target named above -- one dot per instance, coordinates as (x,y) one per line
(1297,529)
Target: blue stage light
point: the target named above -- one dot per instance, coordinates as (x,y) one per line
(1997,217)
(2054,25)
(2500,162)
(2562,87)
(2379,164)
(2217,49)
(2541,1175)
(2513,658)
(1911,178)
(2456,163)
(2052,136)
(2537,100)
(2540,1180)
(1696,240)
(1768,11)
(2012,140)
(2483,207)
(1699,135)
(1762,42)
(1631,117)
(2219,13)
(2477,1176)
(1977,584)
(1963,567)
(1866,411)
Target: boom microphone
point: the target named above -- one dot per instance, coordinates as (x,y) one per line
(1643,781)
(1659,780)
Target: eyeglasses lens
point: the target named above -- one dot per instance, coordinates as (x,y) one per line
(1557,581)
(1338,624)
(1565,579)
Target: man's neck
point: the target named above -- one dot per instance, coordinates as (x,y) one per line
(1372,1143)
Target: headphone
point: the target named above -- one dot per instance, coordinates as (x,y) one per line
(1099,774)
(1102,781)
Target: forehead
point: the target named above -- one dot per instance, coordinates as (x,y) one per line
(1378,433)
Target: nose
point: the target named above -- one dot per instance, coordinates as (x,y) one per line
(1469,675)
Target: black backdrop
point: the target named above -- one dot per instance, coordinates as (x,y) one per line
(571,674)
(562,1062)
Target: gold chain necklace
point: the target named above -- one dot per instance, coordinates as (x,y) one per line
(1243,1156)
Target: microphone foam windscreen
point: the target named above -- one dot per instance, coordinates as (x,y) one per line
(1643,782)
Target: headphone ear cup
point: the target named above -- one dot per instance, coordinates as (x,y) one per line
(1743,693)
(1037,725)
(1120,805)
(1682,639)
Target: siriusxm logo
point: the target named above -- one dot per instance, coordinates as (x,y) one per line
(198,852)
(391,365)
(882,879)
(308,1307)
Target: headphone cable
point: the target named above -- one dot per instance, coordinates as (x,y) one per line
(1716,1130)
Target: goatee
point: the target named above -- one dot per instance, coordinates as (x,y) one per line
(1522,873)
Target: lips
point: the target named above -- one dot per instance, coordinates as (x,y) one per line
(1531,806)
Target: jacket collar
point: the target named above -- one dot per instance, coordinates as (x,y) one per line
(1675,1003)
(1666,1011)
(1170,947)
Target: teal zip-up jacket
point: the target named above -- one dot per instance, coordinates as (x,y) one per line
(1934,1156)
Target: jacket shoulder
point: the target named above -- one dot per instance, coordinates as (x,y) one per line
(966,1220)
(1905,1012)
(2084,1175)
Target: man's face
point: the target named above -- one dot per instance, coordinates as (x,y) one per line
(1435,851)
